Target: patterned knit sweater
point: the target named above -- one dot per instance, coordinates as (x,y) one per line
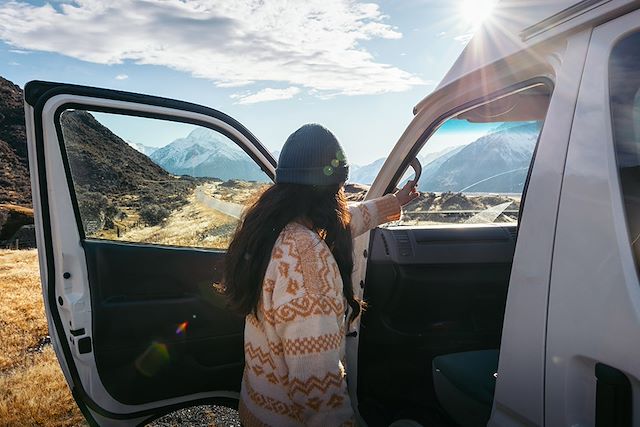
(295,347)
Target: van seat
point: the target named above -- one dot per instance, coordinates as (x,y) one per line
(465,383)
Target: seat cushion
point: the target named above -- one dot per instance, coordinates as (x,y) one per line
(465,383)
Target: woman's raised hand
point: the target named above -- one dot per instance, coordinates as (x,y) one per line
(407,193)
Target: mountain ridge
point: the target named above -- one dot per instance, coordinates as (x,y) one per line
(207,153)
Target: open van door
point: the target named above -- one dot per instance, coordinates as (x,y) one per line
(135,200)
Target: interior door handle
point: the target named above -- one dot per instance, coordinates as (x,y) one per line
(613,397)
(417,167)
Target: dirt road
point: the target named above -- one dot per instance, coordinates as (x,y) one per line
(228,208)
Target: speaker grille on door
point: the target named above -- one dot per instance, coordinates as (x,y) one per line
(403,241)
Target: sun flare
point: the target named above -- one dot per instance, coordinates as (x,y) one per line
(474,12)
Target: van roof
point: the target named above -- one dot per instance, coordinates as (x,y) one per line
(516,25)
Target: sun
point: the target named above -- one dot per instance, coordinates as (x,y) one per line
(474,12)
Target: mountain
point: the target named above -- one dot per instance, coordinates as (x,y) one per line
(206,153)
(15,187)
(144,149)
(430,157)
(496,162)
(367,173)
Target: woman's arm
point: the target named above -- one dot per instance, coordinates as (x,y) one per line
(372,213)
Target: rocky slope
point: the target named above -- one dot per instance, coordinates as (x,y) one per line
(109,174)
(15,187)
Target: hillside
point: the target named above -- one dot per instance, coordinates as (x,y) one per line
(15,187)
(112,179)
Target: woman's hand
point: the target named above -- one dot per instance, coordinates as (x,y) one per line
(407,193)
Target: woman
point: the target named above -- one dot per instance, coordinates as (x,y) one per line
(288,270)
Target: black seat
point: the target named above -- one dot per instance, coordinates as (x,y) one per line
(465,383)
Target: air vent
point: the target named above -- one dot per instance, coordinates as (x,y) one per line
(404,243)
(384,242)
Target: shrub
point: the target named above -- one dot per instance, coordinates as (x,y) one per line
(153,214)
(92,204)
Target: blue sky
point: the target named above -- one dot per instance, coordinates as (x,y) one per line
(356,67)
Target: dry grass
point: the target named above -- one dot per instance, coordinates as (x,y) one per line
(241,192)
(36,394)
(32,388)
(22,319)
(192,225)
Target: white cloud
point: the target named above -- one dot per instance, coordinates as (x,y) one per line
(315,44)
(267,94)
(463,38)
(122,77)
(19,52)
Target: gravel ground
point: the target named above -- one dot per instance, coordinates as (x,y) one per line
(219,416)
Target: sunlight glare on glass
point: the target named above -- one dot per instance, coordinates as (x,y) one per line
(474,12)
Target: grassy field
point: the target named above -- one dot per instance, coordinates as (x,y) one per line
(191,225)
(33,391)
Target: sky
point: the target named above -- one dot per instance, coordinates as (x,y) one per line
(356,67)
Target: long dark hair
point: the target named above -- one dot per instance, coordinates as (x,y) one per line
(325,207)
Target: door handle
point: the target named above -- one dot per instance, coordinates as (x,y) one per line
(613,397)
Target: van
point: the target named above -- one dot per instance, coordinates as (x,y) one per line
(507,295)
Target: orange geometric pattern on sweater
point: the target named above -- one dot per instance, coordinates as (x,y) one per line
(305,306)
(315,383)
(335,401)
(295,358)
(305,253)
(293,410)
(256,353)
(366,216)
(306,345)
(247,417)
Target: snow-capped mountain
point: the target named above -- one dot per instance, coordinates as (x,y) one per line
(367,173)
(144,149)
(206,153)
(496,162)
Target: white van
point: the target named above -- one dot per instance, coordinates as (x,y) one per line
(508,294)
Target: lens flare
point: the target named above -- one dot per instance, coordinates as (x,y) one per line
(474,12)
(154,358)
(182,328)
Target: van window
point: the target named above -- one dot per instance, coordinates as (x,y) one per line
(475,166)
(624,81)
(154,181)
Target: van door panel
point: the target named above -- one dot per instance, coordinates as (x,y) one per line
(147,301)
(429,291)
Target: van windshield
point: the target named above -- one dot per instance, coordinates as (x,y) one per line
(475,166)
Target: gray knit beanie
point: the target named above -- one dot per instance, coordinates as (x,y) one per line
(312,155)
